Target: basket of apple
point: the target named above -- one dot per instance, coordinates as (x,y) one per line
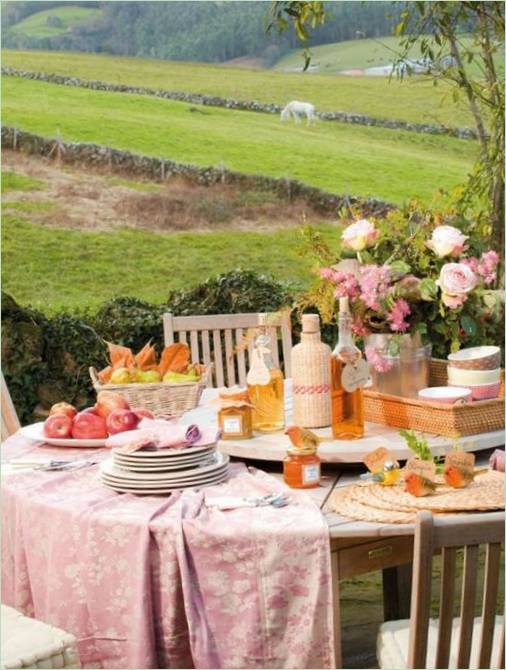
(111,414)
(168,386)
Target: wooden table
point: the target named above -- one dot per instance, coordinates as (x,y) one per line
(359,547)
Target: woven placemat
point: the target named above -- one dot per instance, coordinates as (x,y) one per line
(391,504)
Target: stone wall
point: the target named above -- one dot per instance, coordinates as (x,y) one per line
(156,169)
(229,103)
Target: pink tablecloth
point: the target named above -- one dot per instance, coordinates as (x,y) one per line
(149,582)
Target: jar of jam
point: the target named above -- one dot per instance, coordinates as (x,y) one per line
(234,414)
(301,468)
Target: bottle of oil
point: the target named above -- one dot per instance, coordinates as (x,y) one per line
(266,389)
(347,371)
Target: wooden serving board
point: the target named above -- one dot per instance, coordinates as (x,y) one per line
(273,446)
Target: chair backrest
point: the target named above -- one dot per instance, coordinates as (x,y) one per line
(206,336)
(447,535)
(10,421)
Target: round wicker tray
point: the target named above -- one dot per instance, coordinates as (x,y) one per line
(391,504)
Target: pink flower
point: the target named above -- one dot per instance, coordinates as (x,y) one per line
(456,280)
(447,241)
(359,328)
(397,315)
(359,235)
(345,282)
(487,267)
(374,283)
(379,363)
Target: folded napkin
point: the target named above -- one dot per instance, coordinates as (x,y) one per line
(159,434)
(497,460)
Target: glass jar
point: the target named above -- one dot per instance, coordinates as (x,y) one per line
(234,415)
(301,469)
(266,389)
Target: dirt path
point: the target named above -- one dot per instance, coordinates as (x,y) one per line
(84,199)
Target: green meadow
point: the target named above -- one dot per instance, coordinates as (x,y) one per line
(36,25)
(414,99)
(342,158)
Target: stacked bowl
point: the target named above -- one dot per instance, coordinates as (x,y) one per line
(477,369)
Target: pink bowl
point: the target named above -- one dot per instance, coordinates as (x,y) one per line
(446,395)
(484,391)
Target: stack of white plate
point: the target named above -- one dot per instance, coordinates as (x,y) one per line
(164,470)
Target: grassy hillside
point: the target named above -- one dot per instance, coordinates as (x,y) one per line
(415,100)
(51,268)
(36,25)
(342,158)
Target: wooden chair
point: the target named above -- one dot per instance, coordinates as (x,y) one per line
(10,421)
(206,335)
(466,642)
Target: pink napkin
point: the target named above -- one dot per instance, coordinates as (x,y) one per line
(159,434)
(497,460)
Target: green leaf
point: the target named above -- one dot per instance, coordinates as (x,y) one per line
(454,346)
(400,267)
(468,325)
(428,289)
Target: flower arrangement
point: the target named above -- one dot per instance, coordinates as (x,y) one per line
(412,274)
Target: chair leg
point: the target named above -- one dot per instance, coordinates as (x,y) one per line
(337,609)
(397,592)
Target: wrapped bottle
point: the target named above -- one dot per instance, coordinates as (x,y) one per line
(311,376)
(266,389)
(349,374)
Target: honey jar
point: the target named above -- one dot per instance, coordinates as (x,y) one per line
(234,414)
(301,468)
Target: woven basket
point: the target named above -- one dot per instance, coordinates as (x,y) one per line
(163,399)
(480,416)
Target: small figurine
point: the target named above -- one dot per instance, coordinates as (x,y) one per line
(303,438)
(388,475)
(418,485)
(459,478)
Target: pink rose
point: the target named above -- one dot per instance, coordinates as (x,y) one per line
(360,235)
(456,280)
(447,241)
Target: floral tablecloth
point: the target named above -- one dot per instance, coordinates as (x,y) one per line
(146,582)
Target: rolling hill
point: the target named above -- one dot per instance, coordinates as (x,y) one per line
(55,21)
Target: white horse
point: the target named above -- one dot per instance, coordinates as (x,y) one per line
(296,109)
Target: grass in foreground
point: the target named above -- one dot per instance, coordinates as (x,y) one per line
(51,268)
(13,181)
(415,99)
(341,158)
(36,25)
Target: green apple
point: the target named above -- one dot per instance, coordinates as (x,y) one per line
(148,376)
(121,376)
(178,378)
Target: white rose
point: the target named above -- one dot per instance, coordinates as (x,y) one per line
(360,235)
(447,241)
(456,280)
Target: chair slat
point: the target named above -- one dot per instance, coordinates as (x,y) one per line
(273,334)
(10,421)
(286,340)
(194,339)
(168,329)
(241,359)
(182,336)
(448,560)
(500,660)
(421,591)
(206,353)
(490,589)
(218,358)
(229,356)
(467,605)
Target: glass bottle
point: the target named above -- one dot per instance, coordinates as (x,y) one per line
(266,389)
(301,468)
(347,406)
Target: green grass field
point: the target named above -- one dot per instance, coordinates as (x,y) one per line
(53,268)
(415,99)
(36,25)
(361,54)
(342,158)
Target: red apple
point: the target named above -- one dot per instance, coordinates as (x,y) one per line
(89,410)
(58,425)
(63,408)
(143,413)
(88,426)
(120,420)
(107,401)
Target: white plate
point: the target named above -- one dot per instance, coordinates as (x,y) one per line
(35,431)
(169,489)
(152,485)
(110,469)
(135,467)
(168,453)
(171,460)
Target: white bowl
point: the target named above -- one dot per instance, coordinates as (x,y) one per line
(476,358)
(446,395)
(459,377)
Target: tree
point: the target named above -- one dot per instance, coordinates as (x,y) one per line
(438,29)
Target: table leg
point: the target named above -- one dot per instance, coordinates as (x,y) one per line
(397,592)
(337,608)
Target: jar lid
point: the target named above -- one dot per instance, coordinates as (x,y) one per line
(234,393)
